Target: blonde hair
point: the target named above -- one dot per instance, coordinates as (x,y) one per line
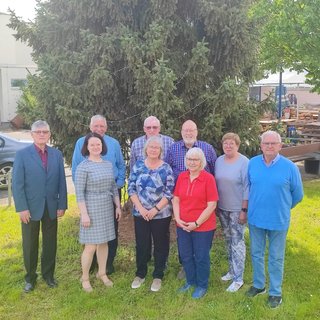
(231,136)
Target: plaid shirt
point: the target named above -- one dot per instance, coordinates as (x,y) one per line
(136,152)
(177,152)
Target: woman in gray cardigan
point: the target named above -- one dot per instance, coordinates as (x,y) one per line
(232,182)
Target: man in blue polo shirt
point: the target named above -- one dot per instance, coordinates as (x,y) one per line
(275,188)
(98,125)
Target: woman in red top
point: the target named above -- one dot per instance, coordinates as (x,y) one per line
(194,202)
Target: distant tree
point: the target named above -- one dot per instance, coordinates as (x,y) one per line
(28,106)
(128,59)
(291,36)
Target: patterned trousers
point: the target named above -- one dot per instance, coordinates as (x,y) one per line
(234,236)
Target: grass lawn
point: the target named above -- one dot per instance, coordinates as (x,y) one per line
(301,287)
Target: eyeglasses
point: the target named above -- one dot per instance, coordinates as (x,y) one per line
(193,160)
(230,144)
(189,130)
(99,126)
(41,132)
(152,127)
(272,144)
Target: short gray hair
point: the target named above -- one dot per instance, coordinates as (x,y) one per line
(153,139)
(97,117)
(270,133)
(197,152)
(151,118)
(39,124)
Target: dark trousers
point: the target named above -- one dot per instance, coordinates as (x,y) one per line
(30,246)
(158,229)
(112,245)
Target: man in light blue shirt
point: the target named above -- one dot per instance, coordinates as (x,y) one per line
(98,125)
(275,187)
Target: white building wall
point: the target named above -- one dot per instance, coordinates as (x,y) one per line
(10,94)
(15,64)
(304,96)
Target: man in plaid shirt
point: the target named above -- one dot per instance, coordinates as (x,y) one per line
(151,128)
(177,152)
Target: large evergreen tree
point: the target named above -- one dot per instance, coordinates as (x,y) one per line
(128,59)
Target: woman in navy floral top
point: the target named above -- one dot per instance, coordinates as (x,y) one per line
(150,189)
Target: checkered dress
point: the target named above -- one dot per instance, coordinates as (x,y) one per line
(95,184)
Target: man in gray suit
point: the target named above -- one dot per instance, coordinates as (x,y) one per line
(40,195)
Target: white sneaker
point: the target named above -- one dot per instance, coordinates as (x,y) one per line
(235,286)
(137,282)
(227,277)
(156,285)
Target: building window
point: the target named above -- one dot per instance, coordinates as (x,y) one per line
(18,83)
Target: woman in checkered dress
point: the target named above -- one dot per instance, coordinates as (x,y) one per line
(96,192)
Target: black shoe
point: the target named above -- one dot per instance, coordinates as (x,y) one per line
(110,270)
(274,301)
(253,291)
(51,282)
(28,287)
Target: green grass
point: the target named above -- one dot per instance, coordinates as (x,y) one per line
(301,287)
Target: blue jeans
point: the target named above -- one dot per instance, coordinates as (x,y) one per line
(277,245)
(234,235)
(194,249)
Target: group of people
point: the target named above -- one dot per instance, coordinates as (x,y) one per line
(183,179)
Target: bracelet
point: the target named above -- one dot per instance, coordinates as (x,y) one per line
(196,223)
(157,208)
(244,210)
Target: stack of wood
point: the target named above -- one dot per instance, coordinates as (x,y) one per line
(293,112)
(307,115)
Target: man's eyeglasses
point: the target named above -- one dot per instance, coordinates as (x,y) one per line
(152,127)
(272,144)
(41,132)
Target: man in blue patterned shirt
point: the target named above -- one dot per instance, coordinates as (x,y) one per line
(177,152)
(151,127)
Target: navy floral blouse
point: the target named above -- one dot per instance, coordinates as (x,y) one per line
(151,186)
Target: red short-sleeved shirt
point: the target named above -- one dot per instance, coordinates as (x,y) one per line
(194,197)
